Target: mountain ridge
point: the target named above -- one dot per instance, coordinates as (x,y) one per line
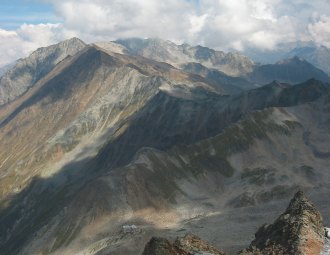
(291,70)
(107,140)
(313,53)
(26,72)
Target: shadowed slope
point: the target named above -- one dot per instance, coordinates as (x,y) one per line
(84,129)
(294,70)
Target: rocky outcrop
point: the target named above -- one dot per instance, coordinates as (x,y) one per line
(298,231)
(194,245)
(28,71)
(161,246)
(189,244)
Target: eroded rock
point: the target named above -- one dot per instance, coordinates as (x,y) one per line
(298,231)
(187,245)
(161,246)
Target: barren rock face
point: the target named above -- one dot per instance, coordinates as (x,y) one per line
(189,244)
(161,246)
(28,71)
(299,230)
(194,245)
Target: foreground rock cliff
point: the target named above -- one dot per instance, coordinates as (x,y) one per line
(188,245)
(298,231)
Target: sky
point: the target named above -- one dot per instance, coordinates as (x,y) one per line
(226,25)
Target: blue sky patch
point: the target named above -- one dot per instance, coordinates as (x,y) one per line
(14,13)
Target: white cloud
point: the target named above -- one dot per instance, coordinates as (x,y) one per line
(113,19)
(320,30)
(27,38)
(221,24)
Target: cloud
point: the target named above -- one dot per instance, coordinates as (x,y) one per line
(27,38)
(220,24)
(320,30)
(114,19)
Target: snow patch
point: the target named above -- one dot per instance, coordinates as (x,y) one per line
(326,247)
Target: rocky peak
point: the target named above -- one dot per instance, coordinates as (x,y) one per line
(299,204)
(293,60)
(194,245)
(187,245)
(26,72)
(167,51)
(162,246)
(277,84)
(298,231)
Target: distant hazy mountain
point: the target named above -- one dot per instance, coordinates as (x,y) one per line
(26,72)
(225,83)
(317,55)
(294,70)
(110,148)
(166,51)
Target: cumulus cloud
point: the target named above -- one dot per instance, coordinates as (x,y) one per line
(113,19)
(221,24)
(320,30)
(21,42)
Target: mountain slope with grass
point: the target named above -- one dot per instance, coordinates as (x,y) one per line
(109,149)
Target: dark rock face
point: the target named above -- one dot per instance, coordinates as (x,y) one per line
(299,230)
(188,245)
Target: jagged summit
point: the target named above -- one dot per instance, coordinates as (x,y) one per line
(292,60)
(299,204)
(71,42)
(278,84)
(30,70)
(167,51)
(298,231)
(294,70)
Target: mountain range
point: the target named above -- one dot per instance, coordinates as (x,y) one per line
(157,138)
(318,55)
